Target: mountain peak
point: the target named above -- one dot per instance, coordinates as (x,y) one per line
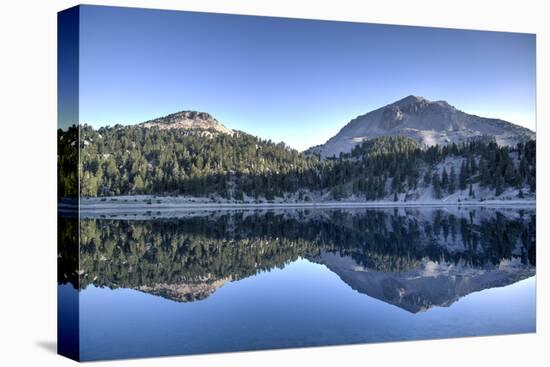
(428,122)
(410,99)
(421,101)
(188,120)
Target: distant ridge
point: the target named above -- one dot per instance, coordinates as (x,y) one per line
(427,122)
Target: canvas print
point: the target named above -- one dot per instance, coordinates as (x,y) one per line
(233,183)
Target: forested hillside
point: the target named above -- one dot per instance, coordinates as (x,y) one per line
(131,160)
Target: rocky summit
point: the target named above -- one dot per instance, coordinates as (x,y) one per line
(427,122)
(190,120)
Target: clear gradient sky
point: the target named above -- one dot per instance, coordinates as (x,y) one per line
(291,80)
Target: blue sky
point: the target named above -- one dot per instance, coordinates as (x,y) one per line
(291,80)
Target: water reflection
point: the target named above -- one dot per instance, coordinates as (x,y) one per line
(408,257)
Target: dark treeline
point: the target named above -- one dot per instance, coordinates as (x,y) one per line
(67,247)
(121,253)
(135,160)
(67,163)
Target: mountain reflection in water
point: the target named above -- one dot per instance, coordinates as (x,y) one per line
(413,258)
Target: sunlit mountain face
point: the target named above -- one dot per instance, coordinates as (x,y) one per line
(427,122)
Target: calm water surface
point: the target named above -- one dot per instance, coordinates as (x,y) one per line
(232,281)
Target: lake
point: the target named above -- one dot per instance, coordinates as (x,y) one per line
(236,280)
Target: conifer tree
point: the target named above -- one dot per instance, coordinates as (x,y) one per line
(444,179)
(452,181)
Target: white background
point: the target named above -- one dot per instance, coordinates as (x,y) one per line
(28,182)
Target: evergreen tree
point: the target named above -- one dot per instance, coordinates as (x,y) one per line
(444,179)
(473,166)
(463,175)
(452,181)
(427,179)
(499,185)
(436,186)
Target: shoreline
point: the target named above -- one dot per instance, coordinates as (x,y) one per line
(117,207)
